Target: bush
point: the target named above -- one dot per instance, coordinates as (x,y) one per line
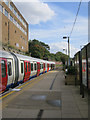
(71,70)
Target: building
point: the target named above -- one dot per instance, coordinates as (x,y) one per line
(13,27)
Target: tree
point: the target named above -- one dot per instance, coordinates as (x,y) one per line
(39,49)
(61,57)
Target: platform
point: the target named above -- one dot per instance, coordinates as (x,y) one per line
(45,96)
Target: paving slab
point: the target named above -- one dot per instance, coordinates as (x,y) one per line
(28,113)
(51,114)
(69,115)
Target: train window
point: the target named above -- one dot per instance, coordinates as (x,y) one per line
(35,68)
(42,66)
(21,67)
(28,66)
(3,68)
(9,69)
(31,66)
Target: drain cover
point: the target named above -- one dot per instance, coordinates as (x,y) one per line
(38,97)
(56,103)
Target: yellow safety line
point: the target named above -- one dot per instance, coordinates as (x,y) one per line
(23,86)
(17,88)
(14,95)
(6,95)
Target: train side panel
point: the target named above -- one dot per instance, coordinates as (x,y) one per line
(38,68)
(3,74)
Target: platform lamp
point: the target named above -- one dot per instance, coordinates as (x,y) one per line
(65,50)
(68,50)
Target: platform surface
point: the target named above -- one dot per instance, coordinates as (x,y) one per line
(46,96)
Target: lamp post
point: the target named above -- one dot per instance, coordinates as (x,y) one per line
(68,49)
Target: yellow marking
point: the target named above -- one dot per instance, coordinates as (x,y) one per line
(6,95)
(24,85)
(17,88)
(18,93)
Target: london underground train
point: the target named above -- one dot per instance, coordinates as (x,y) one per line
(16,68)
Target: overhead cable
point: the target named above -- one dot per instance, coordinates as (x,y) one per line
(75,19)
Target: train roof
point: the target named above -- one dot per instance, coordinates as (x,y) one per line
(5,54)
(24,57)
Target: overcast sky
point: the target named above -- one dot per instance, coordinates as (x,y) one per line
(50,21)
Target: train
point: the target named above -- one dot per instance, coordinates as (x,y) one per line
(17,68)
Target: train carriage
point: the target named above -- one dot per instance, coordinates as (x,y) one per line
(16,68)
(24,68)
(7,70)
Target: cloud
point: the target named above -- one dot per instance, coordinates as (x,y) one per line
(79,35)
(80,30)
(59,46)
(35,12)
(53,36)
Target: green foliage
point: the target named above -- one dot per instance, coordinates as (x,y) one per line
(45,46)
(52,56)
(61,57)
(65,67)
(71,70)
(40,50)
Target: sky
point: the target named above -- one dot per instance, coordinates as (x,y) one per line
(50,21)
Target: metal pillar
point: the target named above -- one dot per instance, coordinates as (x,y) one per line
(68,52)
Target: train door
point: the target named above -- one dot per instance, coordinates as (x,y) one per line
(51,66)
(27,70)
(47,67)
(35,68)
(43,67)
(10,71)
(32,70)
(38,68)
(21,72)
(3,74)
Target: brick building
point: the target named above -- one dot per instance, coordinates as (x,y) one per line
(13,27)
